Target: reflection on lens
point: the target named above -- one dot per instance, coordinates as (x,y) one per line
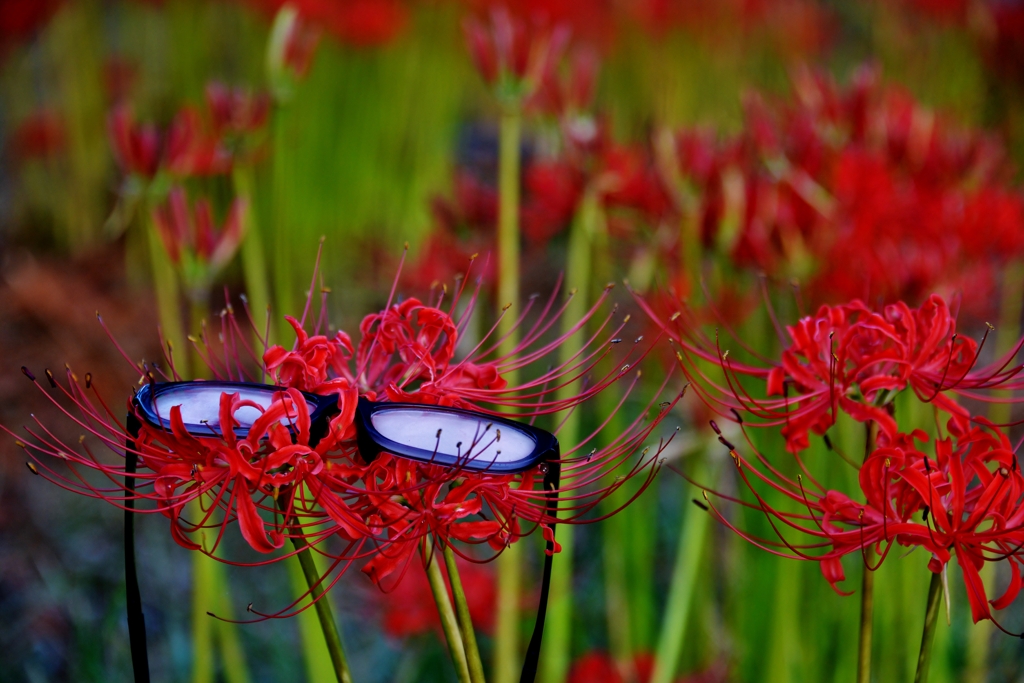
(464,437)
(200,405)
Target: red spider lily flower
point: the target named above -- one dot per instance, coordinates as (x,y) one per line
(184,149)
(194,244)
(409,610)
(845,358)
(236,478)
(554,190)
(292,46)
(236,111)
(413,344)
(967,498)
(316,364)
(407,353)
(631,181)
(510,55)
(573,94)
(247,472)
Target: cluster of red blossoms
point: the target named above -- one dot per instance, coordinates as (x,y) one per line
(958,491)
(193,145)
(190,145)
(861,173)
(279,483)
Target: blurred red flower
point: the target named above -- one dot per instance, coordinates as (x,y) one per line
(409,609)
(190,236)
(183,149)
(38,136)
(20,18)
(360,23)
(860,174)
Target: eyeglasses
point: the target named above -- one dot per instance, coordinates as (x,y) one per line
(436,435)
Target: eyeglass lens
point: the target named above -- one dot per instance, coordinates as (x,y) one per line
(201,404)
(462,437)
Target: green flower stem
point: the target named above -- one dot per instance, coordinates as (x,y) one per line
(316,656)
(168,297)
(555,654)
(506,631)
(689,556)
(323,608)
(231,651)
(254,265)
(614,533)
(867,611)
(210,595)
(204,600)
(508,219)
(211,592)
(931,618)
(282,235)
(449,622)
(476,666)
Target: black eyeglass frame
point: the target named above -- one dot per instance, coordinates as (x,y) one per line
(371,443)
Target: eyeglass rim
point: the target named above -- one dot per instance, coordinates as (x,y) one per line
(372,442)
(143,401)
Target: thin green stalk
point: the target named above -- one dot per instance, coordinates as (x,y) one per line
(867,589)
(867,611)
(254,265)
(228,637)
(315,655)
(616,579)
(204,600)
(508,213)
(205,593)
(168,298)
(689,556)
(555,649)
(282,234)
(931,615)
(476,666)
(639,534)
(506,631)
(449,622)
(323,609)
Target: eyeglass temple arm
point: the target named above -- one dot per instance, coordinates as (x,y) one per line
(551,480)
(136,619)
